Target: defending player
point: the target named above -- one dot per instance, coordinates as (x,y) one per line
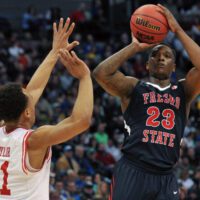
(24,153)
(155,114)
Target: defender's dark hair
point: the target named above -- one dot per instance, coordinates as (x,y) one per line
(163,44)
(12,102)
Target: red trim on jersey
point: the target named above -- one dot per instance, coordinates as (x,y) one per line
(47,156)
(111,189)
(24,147)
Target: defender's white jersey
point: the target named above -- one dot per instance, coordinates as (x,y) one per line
(17,181)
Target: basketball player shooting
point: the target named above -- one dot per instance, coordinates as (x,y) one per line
(25,153)
(155,115)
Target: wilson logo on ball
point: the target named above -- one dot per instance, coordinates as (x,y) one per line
(146,23)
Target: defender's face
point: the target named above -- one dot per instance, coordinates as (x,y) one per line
(30,108)
(161,62)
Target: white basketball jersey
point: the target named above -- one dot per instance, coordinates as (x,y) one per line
(17,181)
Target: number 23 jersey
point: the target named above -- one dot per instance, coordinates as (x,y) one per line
(154,122)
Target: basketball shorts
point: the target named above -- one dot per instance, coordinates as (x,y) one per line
(132,183)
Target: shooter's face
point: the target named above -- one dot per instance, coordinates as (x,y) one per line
(161,62)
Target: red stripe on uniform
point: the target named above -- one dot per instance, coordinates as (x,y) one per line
(111,189)
(24,147)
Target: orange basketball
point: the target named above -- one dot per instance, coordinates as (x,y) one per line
(149,25)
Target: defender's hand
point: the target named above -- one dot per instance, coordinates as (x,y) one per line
(75,66)
(62,34)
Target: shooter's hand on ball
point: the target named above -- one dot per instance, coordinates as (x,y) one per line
(172,22)
(140,45)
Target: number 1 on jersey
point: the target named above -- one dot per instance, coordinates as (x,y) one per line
(4,190)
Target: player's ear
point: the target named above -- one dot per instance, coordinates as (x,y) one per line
(27,113)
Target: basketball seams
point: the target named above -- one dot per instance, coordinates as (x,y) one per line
(133,24)
(148,25)
(150,17)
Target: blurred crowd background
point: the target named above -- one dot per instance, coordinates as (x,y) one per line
(82,167)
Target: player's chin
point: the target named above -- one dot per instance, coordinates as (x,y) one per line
(160,76)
